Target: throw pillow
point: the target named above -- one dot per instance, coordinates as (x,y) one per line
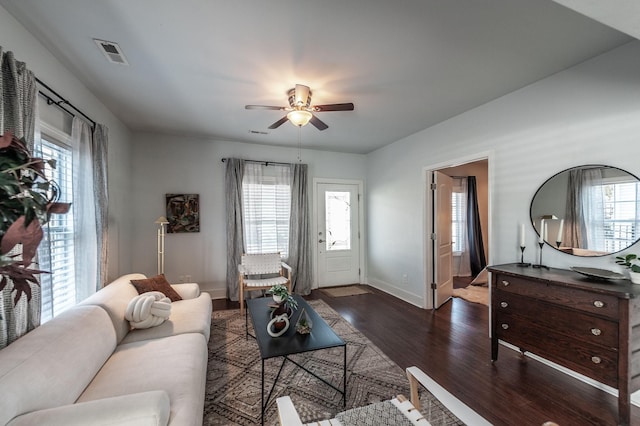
(157,283)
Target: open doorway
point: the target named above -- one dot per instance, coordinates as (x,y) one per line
(458,223)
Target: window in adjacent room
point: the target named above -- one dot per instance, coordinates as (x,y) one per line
(458,218)
(56,251)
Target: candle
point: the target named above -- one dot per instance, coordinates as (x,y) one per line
(559,238)
(522,235)
(541,238)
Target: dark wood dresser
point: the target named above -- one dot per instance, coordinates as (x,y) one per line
(589,326)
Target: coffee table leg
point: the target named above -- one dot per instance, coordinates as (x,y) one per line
(262,395)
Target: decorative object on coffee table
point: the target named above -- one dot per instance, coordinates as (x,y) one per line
(281,297)
(304,324)
(278,325)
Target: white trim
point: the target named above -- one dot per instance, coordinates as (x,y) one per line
(54,133)
(314,224)
(427,214)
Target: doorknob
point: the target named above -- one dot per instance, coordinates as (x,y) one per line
(321,241)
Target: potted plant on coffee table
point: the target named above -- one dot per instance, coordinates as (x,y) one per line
(281,296)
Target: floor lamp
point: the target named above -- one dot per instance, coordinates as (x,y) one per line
(162,221)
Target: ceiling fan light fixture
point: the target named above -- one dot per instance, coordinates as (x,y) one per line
(299,117)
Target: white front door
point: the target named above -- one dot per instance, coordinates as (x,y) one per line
(338,234)
(441,240)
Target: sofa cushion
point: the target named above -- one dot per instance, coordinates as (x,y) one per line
(114,298)
(175,364)
(140,409)
(187,316)
(157,283)
(187,290)
(53,364)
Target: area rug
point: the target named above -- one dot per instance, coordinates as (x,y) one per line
(351,290)
(233,376)
(473,293)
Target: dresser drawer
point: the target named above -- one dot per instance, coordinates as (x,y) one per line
(582,326)
(591,360)
(600,304)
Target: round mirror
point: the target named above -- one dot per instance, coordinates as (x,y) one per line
(589,210)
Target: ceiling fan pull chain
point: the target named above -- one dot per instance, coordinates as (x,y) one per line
(299,144)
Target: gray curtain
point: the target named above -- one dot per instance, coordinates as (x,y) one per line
(17,114)
(299,231)
(233,199)
(100,186)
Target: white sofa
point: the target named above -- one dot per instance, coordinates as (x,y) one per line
(86,367)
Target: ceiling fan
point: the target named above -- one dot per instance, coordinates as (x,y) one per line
(300,109)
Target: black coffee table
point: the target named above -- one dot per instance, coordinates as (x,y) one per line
(290,343)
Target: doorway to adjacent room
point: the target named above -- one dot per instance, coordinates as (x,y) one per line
(457,224)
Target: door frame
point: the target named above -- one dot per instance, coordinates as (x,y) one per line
(361,227)
(428,215)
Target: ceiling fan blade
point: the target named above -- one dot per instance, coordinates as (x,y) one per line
(277,108)
(334,107)
(320,125)
(279,123)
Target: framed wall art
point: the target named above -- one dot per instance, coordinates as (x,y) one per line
(183,213)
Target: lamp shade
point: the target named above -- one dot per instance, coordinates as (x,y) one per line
(162,220)
(299,117)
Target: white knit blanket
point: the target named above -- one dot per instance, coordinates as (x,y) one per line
(148,310)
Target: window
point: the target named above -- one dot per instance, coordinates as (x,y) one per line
(458,219)
(56,252)
(338,220)
(266,192)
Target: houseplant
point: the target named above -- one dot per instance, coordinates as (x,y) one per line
(281,296)
(27,200)
(632,262)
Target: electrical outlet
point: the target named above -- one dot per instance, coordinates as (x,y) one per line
(405,278)
(181,278)
(187,278)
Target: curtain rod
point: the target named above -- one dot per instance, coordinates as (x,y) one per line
(266,163)
(60,104)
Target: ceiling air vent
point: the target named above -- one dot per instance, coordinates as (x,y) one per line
(111,51)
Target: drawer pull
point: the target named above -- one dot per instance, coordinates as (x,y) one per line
(505,283)
(598,304)
(596,331)
(504,304)
(505,326)
(596,359)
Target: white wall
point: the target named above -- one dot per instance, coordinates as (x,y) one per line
(588,114)
(14,37)
(166,164)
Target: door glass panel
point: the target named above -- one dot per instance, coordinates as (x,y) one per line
(338,220)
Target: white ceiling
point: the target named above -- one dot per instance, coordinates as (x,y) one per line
(405,64)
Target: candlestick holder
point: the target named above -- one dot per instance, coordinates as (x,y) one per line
(541,265)
(522,262)
(558,244)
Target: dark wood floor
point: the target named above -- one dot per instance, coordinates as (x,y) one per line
(452,346)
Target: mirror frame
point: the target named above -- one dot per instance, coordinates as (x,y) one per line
(551,243)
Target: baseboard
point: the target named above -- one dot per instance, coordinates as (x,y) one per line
(635,397)
(397,292)
(215,289)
